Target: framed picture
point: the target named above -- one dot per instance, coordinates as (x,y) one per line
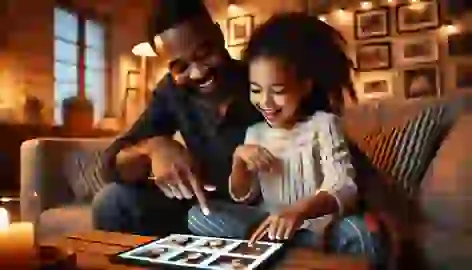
(375,85)
(373,56)
(236,52)
(460,44)
(463,72)
(415,50)
(371,23)
(417,16)
(421,82)
(239,29)
(132,79)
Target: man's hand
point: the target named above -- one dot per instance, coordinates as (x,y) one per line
(173,171)
(257,158)
(281,226)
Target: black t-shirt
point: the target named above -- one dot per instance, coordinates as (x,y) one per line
(210,140)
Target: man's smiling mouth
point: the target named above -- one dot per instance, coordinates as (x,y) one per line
(207,83)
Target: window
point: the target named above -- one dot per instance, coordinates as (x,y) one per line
(79,66)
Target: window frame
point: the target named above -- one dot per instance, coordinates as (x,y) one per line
(84,15)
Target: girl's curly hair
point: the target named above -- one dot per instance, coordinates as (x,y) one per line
(314,49)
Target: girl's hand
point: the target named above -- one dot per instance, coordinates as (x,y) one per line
(281,226)
(257,158)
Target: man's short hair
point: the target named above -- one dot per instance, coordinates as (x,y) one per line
(168,13)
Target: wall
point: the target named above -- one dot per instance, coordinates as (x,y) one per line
(446,64)
(26,60)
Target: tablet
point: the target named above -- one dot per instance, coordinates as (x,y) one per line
(198,252)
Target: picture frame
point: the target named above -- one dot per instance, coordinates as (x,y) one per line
(421,82)
(416,50)
(463,75)
(132,79)
(374,23)
(373,56)
(239,29)
(375,85)
(460,44)
(417,16)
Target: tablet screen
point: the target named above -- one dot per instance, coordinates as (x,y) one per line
(198,252)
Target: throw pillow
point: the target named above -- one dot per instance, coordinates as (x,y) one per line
(89,180)
(405,151)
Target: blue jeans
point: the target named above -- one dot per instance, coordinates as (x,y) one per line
(139,209)
(348,235)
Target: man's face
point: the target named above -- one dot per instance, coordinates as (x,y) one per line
(197,53)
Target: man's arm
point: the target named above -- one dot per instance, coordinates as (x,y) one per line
(130,148)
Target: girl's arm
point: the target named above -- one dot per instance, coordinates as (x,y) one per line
(243,185)
(338,190)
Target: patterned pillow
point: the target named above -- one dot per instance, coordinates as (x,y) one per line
(405,151)
(89,179)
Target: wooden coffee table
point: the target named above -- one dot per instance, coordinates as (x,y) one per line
(94,247)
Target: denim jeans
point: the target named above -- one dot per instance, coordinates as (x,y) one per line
(139,209)
(348,235)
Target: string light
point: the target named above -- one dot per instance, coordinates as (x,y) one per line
(365,5)
(342,16)
(449,29)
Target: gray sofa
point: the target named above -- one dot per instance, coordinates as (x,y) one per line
(45,195)
(445,193)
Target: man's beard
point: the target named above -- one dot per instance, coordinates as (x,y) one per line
(223,90)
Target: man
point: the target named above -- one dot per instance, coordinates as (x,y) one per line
(205,97)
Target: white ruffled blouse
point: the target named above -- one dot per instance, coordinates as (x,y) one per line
(314,156)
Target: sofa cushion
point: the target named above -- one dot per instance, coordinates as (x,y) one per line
(89,179)
(65,220)
(405,151)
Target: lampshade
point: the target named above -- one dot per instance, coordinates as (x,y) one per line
(143,49)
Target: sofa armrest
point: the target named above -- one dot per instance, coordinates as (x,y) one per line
(46,165)
(446,199)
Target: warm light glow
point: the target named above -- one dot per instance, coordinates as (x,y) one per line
(418,6)
(234,10)
(343,17)
(143,49)
(450,29)
(414,1)
(322,18)
(366,5)
(4,219)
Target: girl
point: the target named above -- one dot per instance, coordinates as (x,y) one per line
(297,160)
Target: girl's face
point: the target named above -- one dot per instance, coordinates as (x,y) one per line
(276,91)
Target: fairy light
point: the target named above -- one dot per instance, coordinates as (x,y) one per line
(449,29)
(342,15)
(365,5)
